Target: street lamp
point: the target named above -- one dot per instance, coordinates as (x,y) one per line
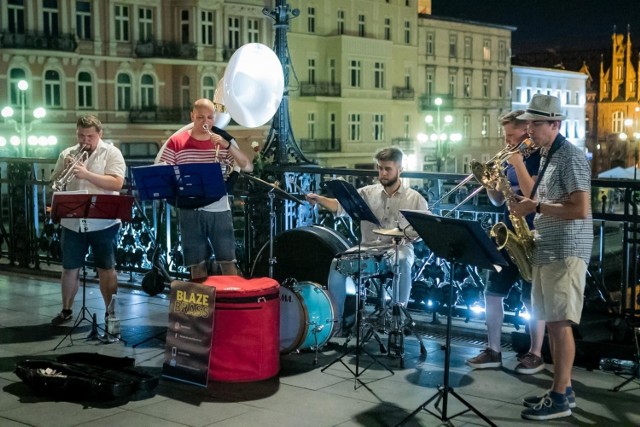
(437,134)
(22,127)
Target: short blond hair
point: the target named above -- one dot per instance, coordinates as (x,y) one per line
(512,118)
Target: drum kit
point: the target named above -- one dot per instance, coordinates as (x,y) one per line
(309,290)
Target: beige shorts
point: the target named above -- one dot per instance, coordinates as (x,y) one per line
(558,290)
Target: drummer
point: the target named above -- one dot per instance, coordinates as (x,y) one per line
(385,200)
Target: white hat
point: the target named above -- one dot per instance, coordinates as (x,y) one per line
(543,107)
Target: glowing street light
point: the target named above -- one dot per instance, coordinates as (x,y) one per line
(21,126)
(437,134)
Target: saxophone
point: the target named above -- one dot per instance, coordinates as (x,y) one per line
(518,243)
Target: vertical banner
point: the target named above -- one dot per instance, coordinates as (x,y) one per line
(189,333)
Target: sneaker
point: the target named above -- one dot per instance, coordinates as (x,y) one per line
(547,409)
(530,364)
(63,317)
(486,359)
(532,401)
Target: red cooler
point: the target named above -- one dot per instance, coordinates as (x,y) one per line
(246,329)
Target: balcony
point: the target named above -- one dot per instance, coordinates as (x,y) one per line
(401,92)
(38,41)
(320,145)
(319,89)
(155,115)
(427,102)
(404,143)
(165,49)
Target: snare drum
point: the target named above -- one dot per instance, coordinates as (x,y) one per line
(306,316)
(372,262)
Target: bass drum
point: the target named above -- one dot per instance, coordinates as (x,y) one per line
(304,254)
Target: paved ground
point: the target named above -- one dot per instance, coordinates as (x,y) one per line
(301,395)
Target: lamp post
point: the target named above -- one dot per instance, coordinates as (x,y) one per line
(22,127)
(633,131)
(438,136)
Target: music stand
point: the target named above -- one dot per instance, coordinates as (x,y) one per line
(458,241)
(359,211)
(93,206)
(188,185)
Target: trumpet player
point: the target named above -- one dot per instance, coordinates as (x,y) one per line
(206,230)
(102,172)
(520,173)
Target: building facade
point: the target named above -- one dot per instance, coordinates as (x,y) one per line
(568,86)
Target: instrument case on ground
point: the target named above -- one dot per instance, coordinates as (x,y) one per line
(85,376)
(246,329)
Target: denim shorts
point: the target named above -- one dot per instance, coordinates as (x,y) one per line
(206,233)
(75,245)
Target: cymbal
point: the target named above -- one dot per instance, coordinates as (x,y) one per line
(391,232)
(273,187)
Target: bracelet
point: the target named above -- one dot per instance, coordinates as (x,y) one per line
(538,207)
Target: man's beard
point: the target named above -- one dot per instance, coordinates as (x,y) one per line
(390,182)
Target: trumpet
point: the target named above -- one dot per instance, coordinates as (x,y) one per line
(526,148)
(61,180)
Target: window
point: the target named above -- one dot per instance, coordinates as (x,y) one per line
(147,89)
(208,87)
(311,19)
(332,129)
(500,87)
(185,93)
(467,48)
(253,31)
(354,127)
(234,33)
(50,17)
(407,32)
(121,13)
(85,90)
(354,73)
(452,84)
(429,82)
(378,127)
(311,125)
(453,46)
(528,98)
(466,125)
(15,75)
(519,95)
(502,52)
(576,98)
(485,86)
(332,71)
(16,16)
(486,50)
(617,122)
(575,129)
(567,97)
(52,89)
(387,28)
(406,125)
(145,24)
(430,43)
(340,23)
(83,20)
(378,75)
(185,27)
(467,86)
(311,66)
(123,92)
(206,27)
(407,78)
(485,126)
(618,72)
(361,26)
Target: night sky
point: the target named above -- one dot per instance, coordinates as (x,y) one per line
(558,25)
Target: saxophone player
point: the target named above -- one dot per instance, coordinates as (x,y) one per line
(520,173)
(207,229)
(102,172)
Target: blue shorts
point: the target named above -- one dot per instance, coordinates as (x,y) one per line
(206,233)
(75,245)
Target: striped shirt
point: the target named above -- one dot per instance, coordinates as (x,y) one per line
(183,148)
(556,238)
